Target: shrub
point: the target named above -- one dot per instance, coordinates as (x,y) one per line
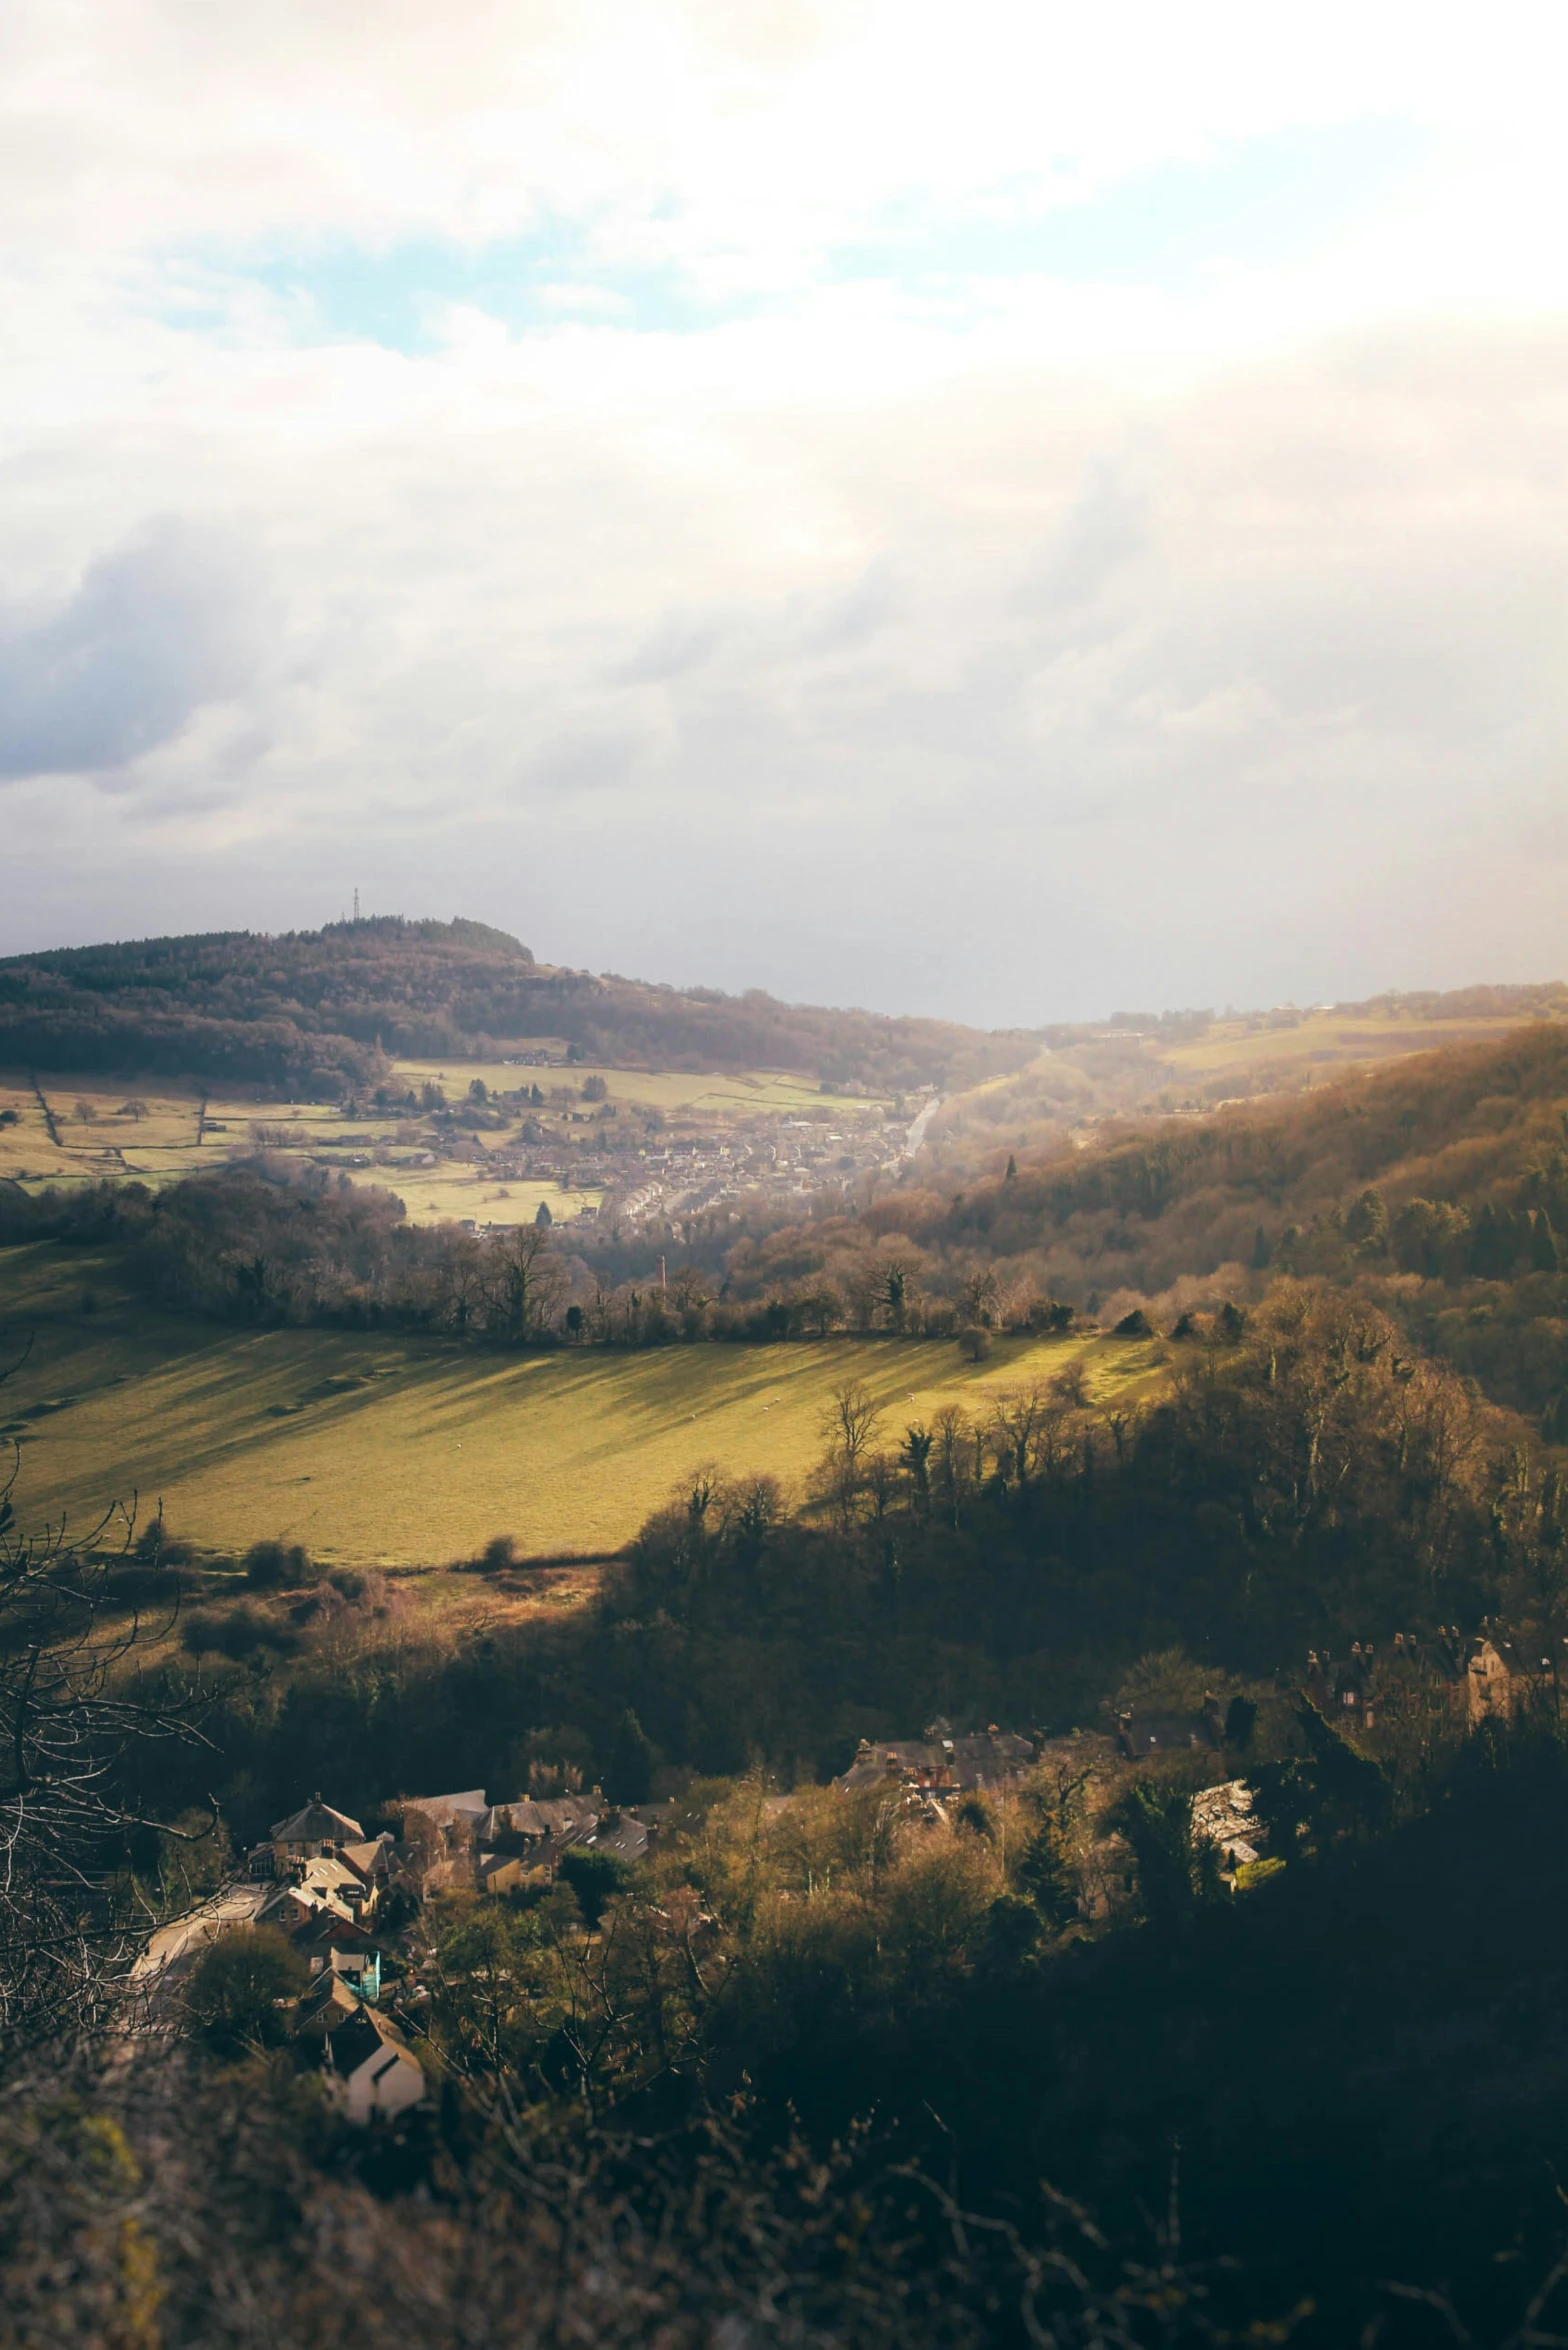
(271,1565)
(974,1340)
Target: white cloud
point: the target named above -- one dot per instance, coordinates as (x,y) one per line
(1008,643)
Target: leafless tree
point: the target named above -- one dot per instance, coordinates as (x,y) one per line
(526,1280)
(849,1424)
(69,1715)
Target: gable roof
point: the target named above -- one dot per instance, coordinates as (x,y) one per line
(367,2034)
(317,1823)
(444,1807)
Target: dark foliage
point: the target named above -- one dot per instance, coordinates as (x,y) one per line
(315,1012)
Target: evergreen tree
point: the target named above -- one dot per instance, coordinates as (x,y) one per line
(1544,1257)
(1491,1247)
(1366,1226)
(631,1762)
(1261,1252)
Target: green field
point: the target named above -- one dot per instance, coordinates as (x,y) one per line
(124,1130)
(396,1451)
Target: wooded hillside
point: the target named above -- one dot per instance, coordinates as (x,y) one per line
(317,1011)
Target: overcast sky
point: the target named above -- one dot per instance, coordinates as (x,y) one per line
(1001,510)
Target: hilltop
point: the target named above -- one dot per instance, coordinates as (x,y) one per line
(320,1012)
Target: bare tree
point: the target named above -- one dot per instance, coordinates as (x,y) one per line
(68,1720)
(849,1424)
(527,1280)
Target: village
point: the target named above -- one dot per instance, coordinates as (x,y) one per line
(350,1903)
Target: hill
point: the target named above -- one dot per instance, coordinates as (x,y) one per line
(318,1012)
(1440,1182)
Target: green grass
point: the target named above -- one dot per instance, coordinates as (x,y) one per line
(380,1450)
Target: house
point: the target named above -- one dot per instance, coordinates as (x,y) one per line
(360,1970)
(306,1835)
(1499,1680)
(329,2003)
(453,1813)
(372,2073)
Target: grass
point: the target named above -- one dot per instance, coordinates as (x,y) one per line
(408,1452)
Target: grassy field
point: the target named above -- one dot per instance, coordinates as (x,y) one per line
(678,1092)
(1331,1040)
(375,1450)
(123,1131)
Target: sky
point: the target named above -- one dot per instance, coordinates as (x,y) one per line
(997,510)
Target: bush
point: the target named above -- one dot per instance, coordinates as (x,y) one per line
(236,1634)
(975,1342)
(269,1566)
(1133,1325)
(235,1987)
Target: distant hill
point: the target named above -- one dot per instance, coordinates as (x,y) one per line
(1439,1182)
(319,1011)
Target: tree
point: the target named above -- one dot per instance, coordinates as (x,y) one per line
(595,1878)
(1492,1248)
(1544,1257)
(1261,1252)
(848,1425)
(1011,1175)
(1331,1795)
(1366,1226)
(67,1724)
(1174,1872)
(630,1778)
(237,1989)
(526,1279)
(542,1215)
(915,1460)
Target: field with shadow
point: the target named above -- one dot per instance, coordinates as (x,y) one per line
(376,1449)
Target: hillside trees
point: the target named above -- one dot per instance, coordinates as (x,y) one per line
(68,1719)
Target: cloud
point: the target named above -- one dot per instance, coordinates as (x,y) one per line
(486,481)
(161,625)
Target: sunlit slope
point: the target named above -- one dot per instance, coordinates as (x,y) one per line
(371,1449)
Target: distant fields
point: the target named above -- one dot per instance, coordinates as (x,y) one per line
(101,1139)
(1334,1040)
(377,1450)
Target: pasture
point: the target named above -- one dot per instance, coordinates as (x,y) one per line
(380,1450)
